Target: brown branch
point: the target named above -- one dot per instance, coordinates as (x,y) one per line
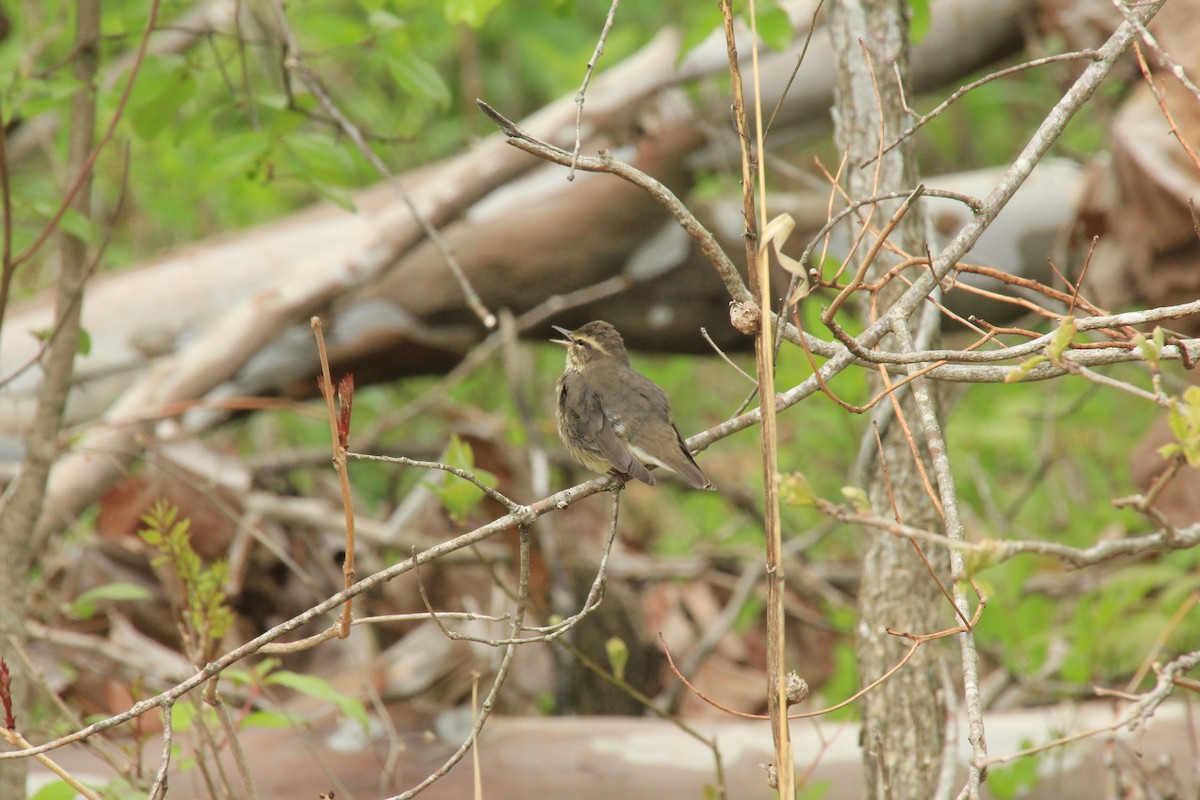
(339,437)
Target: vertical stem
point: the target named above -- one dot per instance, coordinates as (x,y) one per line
(21,505)
(904,718)
(760,286)
(339,465)
(739,118)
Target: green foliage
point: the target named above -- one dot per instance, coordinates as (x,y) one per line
(1015,778)
(920,19)
(57,790)
(459,496)
(470,12)
(237,144)
(814,790)
(774,25)
(269,719)
(857,497)
(320,689)
(85,605)
(1022,370)
(843,681)
(183,716)
(618,656)
(990,124)
(1058,344)
(204,617)
(1150,349)
(795,491)
(1061,340)
(1184,419)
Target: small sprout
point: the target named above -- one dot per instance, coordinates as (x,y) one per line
(1061,339)
(1022,370)
(618,656)
(857,497)
(795,491)
(1151,349)
(1184,420)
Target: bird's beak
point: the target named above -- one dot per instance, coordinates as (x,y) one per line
(566,341)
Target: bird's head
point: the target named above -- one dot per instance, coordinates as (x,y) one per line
(595,342)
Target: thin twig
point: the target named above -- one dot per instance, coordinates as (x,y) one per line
(501,674)
(293,61)
(338,444)
(587,77)
(82,176)
(231,739)
(727,359)
(17,740)
(962,90)
(158,791)
(812,27)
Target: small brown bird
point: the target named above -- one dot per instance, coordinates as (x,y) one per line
(613,418)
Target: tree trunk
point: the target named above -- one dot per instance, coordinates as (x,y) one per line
(903,719)
(22,504)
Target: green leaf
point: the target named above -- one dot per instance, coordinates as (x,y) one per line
(84,345)
(270,719)
(1184,420)
(983,557)
(813,791)
(1168,451)
(325,30)
(71,221)
(339,197)
(1151,349)
(459,496)
(703,19)
(1022,370)
(235,154)
(1014,778)
(382,21)
(857,498)
(58,790)
(472,13)
(775,27)
(795,491)
(618,656)
(418,77)
(84,606)
(321,689)
(183,717)
(39,96)
(324,160)
(1061,339)
(79,226)
(164,83)
(922,18)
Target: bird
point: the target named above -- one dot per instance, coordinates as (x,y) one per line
(611,417)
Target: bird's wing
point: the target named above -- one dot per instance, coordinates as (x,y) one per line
(598,422)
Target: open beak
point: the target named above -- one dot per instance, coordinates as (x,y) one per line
(566,341)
